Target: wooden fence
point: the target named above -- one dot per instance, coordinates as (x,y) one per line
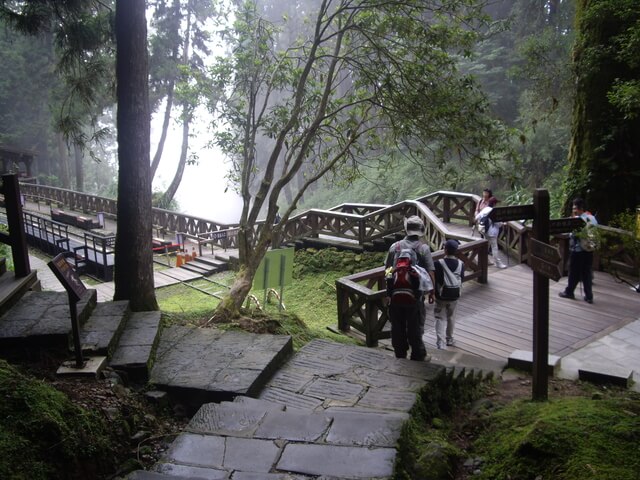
(361,296)
(358,223)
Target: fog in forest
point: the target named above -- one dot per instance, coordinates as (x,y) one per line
(202,190)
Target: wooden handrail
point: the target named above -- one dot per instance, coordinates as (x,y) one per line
(356,222)
(360,296)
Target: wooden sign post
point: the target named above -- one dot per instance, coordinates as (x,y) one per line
(540,301)
(75,289)
(545,262)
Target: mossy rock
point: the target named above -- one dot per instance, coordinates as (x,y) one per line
(436,462)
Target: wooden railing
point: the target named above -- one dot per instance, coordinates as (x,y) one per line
(86,203)
(361,296)
(450,206)
(355,222)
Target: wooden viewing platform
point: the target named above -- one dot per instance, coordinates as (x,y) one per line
(496,318)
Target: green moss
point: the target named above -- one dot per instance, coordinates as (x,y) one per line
(43,435)
(426,448)
(564,439)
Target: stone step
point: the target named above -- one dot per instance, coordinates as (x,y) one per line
(41,321)
(101,332)
(196,267)
(135,352)
(258,438)
(230,257)
(212,261)
(484,367)
(201,365)
(332,411)
(12,289)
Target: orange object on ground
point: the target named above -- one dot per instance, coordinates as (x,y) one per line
(179,259)
(187,257)
(193,253)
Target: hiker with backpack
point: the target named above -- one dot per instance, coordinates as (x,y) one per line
(409,276)
(487,195)
(581,247)
(449,275)
(490,230)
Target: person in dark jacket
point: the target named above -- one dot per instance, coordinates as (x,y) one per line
(407,325)
(581,258)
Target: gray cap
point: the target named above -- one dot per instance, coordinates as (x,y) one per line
(414,225)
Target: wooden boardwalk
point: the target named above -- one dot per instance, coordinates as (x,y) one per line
(496,318)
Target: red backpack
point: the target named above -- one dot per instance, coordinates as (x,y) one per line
(402,284)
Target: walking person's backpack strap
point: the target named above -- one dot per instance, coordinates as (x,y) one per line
(452,284)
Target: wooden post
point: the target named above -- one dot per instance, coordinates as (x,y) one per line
(343,307)
(371,319)
(540,301)
(15,221)
(483,262)
(446,211)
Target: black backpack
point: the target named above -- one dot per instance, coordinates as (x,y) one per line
(484,224)
(452,284)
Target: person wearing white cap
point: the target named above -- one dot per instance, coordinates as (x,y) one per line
(408,332)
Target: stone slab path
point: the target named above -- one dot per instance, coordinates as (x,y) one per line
(333,411)
(198,365)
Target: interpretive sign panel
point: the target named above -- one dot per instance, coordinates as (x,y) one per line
(275,270)
(547,269)
(545,251)
(564,225)
(67,276)
(514,212)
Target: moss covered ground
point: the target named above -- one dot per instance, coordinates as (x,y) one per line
(44,436)
(571,438)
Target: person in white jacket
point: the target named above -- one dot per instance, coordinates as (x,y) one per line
(491,230)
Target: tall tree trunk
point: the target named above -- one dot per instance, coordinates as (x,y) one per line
(79,157)
(63,165)
(167,197)
(165,129)
(231,304)
(605,145)
(133,255)
(187,113)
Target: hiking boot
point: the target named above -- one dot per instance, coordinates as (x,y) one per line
(564,294)
(426,358)
(451,342)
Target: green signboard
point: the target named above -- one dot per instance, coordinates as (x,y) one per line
(275,270)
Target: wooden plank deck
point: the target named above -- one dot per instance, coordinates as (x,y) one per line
(494,319)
